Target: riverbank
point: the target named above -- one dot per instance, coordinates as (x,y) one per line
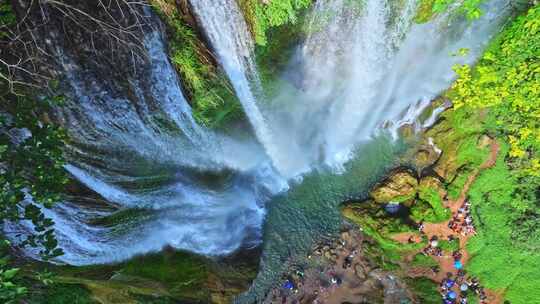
(167,277)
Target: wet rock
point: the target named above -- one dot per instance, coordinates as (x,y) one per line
(447,166)
(346,236)
(427,155)
(327,255)
(395,291)
(6,120)
(407,131)
(400,187)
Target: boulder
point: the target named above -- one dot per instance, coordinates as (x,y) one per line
(399,187)
(407,131)
(426,156)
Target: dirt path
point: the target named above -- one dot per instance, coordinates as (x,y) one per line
(442,231)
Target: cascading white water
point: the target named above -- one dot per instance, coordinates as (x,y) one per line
(362,67)
(368,66)
(228,34)
(197,190)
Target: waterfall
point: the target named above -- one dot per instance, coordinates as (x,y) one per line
(142,151)
(228,34)
(366,68)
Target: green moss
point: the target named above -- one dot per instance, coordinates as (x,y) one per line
(423,261)
(425,289)
(387,252)
(62,294)
(429,207)
(120,217)
(183,274)
(144,299)
(424,12)
(454,188)
(427,9)
(438,213)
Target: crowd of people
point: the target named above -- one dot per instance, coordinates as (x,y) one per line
(457,288)
(462,221)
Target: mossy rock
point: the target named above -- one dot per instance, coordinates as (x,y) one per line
(169,276)
(430,182)
(399,187)
(61,294)
(426,156)
(407,131)
(448,165)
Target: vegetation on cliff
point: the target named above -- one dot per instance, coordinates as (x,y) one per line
(264,15)
(429,8)
(32,176)
(213,100)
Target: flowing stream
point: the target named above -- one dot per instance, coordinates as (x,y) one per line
(365,68)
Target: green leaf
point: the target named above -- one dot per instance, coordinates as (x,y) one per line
(10,273)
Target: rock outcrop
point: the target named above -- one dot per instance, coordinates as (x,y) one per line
(399,187)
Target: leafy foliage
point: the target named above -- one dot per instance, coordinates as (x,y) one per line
(32,173)
(263,15)
(10,290)
(507,82)
(505,87)
(429,8)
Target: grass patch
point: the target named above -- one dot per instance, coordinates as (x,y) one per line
(497,259)
(422,260)
(449,246)
(425,290)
